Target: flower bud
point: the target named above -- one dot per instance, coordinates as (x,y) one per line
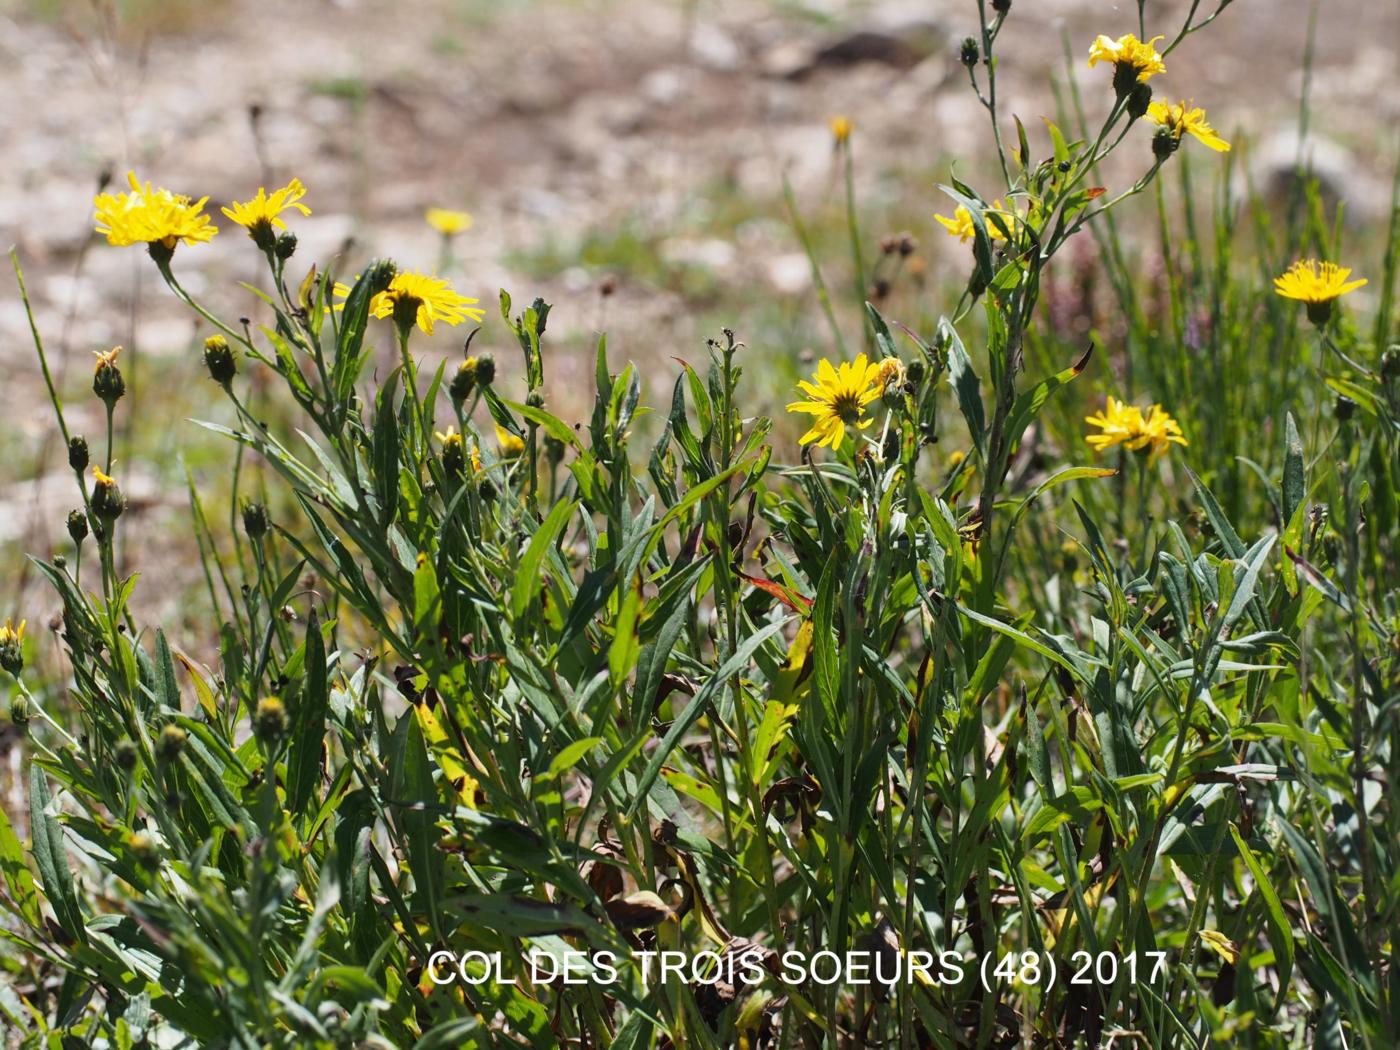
(463,381)
(1390,363)
(270,720)
(125,755)
(143,850)
(107,381)
(535,399)
(1001,7)
(107,499)
(379,273)
(970,53)
(19,712)
(553,449)
(1139,98)
(77,526)
(255,520)
(78,453)
(12,647)
(219,359)
(1164,143)
(485,369)
(286,246)
(915,371)
(1344,408)
(170,743)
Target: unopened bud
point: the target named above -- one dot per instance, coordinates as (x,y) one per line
(170,743)
(219,359)
(970,53)
(77,526)
(78,453)
(255,521)
(270,720)
(1139,98)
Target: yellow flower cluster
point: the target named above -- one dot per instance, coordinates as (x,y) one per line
(1134,429)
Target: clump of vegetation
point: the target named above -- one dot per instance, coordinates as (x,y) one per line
(520,734)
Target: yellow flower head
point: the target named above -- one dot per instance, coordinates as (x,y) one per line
(105,360)
(1184,119)
(151,216)
(511,444)
(12,652)
(1128,53)
(104,480)
(10,634)
(447,222)
(449,437)
(264,211)
(891,372)
(961,227)
(1129,426)
(417,297)
(838,399)
(1313,282)
(840,128)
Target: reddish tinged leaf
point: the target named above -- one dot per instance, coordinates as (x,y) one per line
(777,590)
(1095,192)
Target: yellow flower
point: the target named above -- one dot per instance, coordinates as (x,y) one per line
(447,222)
(151,216)
(1129,426)
(10,634)
(418,297)
(838,399)
(840,128)
(891,372)
(263,212)
(961,227)
(12,651)
(1180,119)
(105,360)
(511,445)
(449,437)
(1313,282)
(1129,56)
(105,480)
